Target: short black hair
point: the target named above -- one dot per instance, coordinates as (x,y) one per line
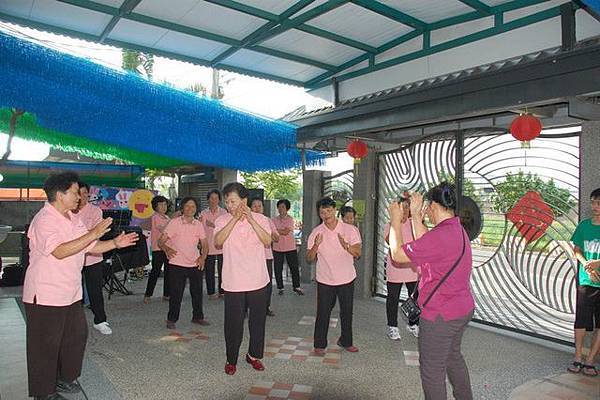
(347,209)
(59,183)
(83,185)
(257,199)
(186,199)
(325,202)
(595,195)
(215,191)
(444,194)
(237,188)
(287,203)
(157,200)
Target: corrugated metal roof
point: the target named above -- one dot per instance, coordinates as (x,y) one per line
(305,42)
(453,77)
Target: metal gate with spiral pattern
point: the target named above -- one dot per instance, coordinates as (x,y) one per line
(520,283)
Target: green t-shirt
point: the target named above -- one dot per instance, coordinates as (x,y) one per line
(587,238)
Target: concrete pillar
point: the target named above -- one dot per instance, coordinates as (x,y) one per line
(225,176)
(589,179)
(364,200)
(312,192)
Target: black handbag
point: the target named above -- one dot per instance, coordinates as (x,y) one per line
(411,309)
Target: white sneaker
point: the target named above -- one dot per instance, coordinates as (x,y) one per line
(414,329)
(393,333)
(103,328)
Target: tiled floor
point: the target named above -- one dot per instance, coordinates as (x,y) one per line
(310,320)
(566,386)
(265,390)
(144,360)
(299,349)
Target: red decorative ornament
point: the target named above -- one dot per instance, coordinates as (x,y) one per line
(357,149)
(525,127)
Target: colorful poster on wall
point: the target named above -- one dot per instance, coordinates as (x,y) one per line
(139,201)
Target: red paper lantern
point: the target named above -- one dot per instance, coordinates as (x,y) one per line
(357,149)
(525,127)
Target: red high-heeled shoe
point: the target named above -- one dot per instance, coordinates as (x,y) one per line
(230,369)
(256,364)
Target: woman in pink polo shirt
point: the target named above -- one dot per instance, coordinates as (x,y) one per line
(214,261)
(180,240)
(285,248)
(335,245)
(398,275)
(243,234)
(56,324)
(257,206)
(158,223)
(445,317)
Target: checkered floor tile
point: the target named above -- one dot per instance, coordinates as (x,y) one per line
(299,349)
(411,358)
(277,390)
(176,336)
(310,320)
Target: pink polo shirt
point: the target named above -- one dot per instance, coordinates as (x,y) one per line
(397,272)
(436,252)
(159,223)
(268,251)
(244,255)
(184,238)
(208,215)
(335,265)
(286,242)
(50,281)
(91,216)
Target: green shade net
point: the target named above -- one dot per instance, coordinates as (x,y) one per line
(27,128)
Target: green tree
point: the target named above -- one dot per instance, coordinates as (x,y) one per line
(138,62)
(509,191)
(276,184)
(468,186)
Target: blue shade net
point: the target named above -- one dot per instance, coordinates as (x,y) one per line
(79,97)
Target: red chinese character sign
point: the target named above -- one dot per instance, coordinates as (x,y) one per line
(532,216)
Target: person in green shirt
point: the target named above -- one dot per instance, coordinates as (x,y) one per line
(586,246)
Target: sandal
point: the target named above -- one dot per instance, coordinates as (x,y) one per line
(589,370)
(575,368)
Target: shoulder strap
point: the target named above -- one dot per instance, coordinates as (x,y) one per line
(449,272)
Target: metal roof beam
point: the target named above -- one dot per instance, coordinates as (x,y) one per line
(477,5)
(126,8)
(391,13)
(145,49)
(199,33)
(257,12)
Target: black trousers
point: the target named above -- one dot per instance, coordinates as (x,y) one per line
(326,298)
(292,260)
(393,296)
(94,281)
(56,338)
(159,259)
(177,277)
(209,272)
(236,304)
(270,285)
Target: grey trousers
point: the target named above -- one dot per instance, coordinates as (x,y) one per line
(439,355)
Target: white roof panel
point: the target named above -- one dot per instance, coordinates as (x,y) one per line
(176,42)
(157,9)
(137,33)
(67,16)
(307,45)
(360,24)
(272,65)
(112,3)
(429,10)
(494,3)
(20,8)
(273,6)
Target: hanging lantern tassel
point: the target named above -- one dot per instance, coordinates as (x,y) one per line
(358,150)
(525,128)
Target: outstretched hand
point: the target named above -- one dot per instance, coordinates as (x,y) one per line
(101,228)
(126,239)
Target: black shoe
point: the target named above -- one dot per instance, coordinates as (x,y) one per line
(55,396)
(270,313)
(67,387)
(299,291)
(280,292)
